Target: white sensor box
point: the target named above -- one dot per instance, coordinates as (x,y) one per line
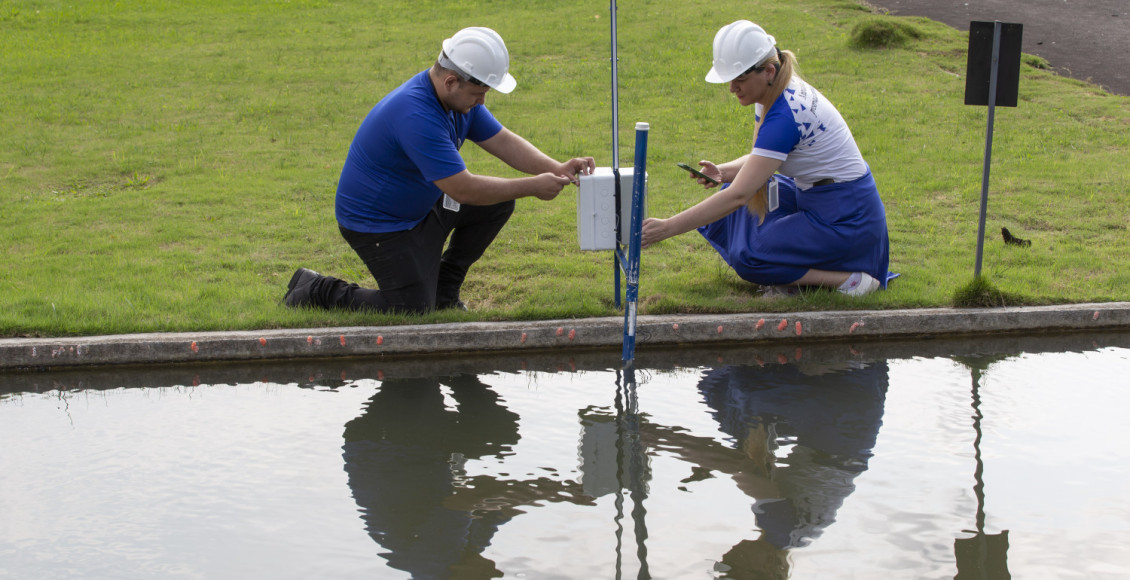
(596,208)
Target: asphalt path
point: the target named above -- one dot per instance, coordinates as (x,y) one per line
(1087,40)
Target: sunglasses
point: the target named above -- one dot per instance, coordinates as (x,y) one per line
(749,71)
(476,82)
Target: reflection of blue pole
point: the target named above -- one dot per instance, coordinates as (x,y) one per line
(630,452)
(632,272)
(988,144)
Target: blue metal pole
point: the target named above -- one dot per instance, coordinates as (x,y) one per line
(639,194)
(988,145)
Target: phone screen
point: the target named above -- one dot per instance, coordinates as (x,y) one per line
(698,173)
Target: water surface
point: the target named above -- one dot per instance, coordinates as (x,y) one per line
(936,459)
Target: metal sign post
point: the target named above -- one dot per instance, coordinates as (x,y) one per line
(992,78)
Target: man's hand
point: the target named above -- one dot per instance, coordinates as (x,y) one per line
(576,167)
(548,185)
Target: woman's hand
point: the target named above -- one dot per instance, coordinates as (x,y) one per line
(712,170)
(654,230)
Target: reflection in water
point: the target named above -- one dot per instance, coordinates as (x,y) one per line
(828,422)
(532,467)
(404,458)
(984,556)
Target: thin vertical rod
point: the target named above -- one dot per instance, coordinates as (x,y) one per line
(616,265)
(988,145)
(615,97)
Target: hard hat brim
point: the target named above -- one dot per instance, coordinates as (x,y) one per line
(717,78)
(506,85)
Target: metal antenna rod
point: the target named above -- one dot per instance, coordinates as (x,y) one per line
(615,157)
(615,98)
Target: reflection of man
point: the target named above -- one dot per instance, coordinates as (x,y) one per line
(402,456)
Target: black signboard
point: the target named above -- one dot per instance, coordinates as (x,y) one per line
(978,73)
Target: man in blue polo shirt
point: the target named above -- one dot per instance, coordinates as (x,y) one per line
(404,189)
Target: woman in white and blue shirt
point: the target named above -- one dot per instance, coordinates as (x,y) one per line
(801,209)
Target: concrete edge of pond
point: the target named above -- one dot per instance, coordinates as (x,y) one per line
(550,335)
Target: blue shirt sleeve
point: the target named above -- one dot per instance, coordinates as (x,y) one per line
(483,125)
(779,133)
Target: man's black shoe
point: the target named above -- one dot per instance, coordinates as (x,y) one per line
(298,290)
(457,304)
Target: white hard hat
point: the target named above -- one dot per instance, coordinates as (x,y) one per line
(481,54)
(739,46)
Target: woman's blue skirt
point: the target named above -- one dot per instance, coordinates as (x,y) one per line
(840,227)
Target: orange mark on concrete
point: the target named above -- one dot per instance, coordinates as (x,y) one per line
(760,324)
(854,326)
(572,333)
(1096,316)
(719,329)
(523,340)
(675,327)
(342,340)
(784,323)
(194,347)
(262,341)
(380,340)
(309,340)
(798,329)
(560,330)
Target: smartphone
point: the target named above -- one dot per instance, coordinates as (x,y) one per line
(698,173)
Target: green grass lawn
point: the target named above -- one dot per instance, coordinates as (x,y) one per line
(165,166)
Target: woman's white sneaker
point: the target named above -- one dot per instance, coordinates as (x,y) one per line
(859,284)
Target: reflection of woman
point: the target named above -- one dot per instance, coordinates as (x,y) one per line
(819,221)
(830,422)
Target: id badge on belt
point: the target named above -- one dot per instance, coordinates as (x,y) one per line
(771,193)
(450,204)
